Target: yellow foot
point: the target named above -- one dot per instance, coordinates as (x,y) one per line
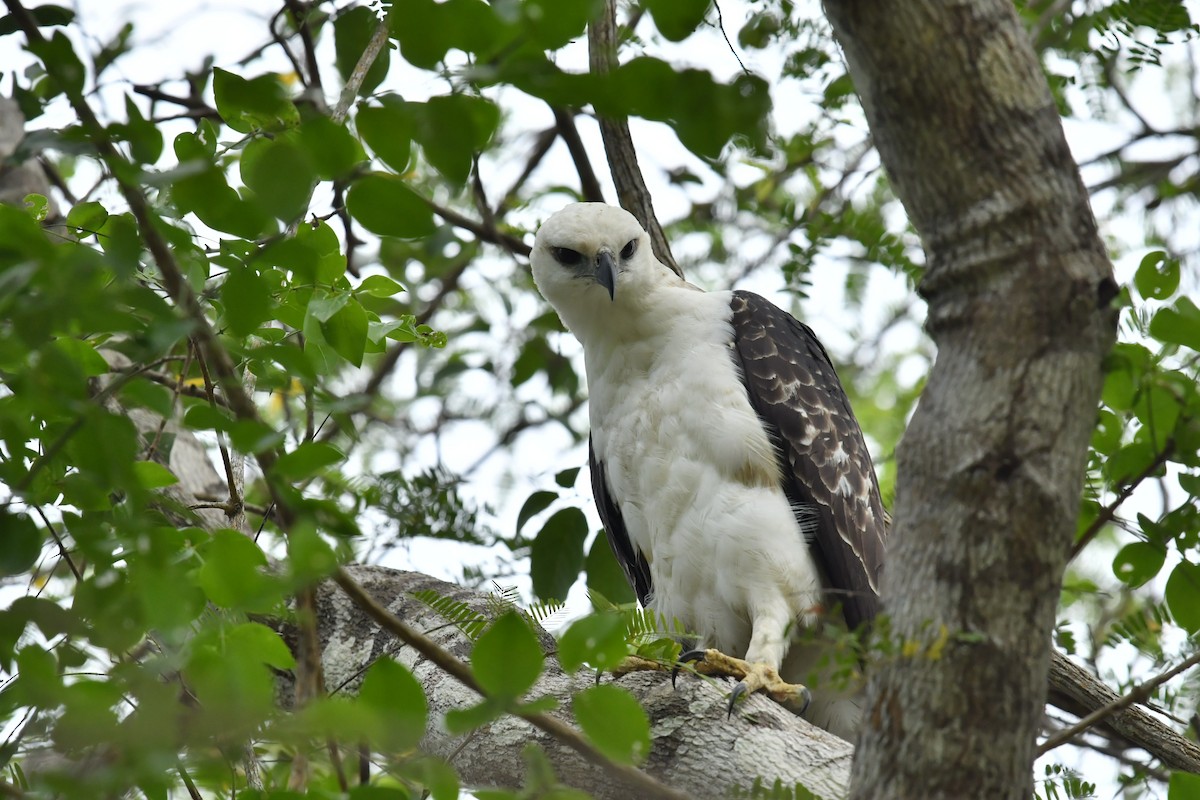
(753,677)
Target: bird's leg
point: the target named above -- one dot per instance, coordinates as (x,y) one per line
(759,671)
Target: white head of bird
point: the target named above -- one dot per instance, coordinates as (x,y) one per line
(595,265)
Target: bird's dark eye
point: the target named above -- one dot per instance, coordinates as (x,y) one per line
(566,256)
(628,250)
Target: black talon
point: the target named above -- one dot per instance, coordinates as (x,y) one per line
(685,658)
(807,699)
(737,692)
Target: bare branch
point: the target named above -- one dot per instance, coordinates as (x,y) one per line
(589,186)
(350,91)
(1188,760)
(618,141)
(300,19)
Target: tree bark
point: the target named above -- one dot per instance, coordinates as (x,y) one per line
(991,468)
(696,748)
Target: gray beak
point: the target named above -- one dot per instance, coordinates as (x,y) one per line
(606,272)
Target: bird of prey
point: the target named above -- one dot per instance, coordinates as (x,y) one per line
(727,466)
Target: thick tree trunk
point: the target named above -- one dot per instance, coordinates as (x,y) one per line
(990,470)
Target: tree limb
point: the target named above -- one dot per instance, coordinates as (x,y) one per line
(618,142)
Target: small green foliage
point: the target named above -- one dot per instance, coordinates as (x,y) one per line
(233,574)
(391,692)
(22,542)
(385,205)
(255,104)
(676,19)
(1183,595)
(597,639)
(557,554)
(614,722)
(507,659)
(1138,562)
(1063,782)
(776,791)
(1183,786)
(605,577)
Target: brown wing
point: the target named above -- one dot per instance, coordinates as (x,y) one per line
(637,571)
(823,459)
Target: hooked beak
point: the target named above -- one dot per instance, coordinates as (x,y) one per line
(606,272)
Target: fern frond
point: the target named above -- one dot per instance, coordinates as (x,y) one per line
(457,613)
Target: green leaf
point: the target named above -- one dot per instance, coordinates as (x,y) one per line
(45,16)
(233,574)
(60,59)
(84,356)
(144,137)
(346,331)
(87,217)
(152,475)
(310,557)
(259,103)
(387,130)
(556,557)
(567,477)
(507,659)
(352,30)
(1179,323)
(38,206)
(330,147)
(209,197)
(597,639)
(1183,595)
(20,543)
(604,573)
(555,23)
(452,129)
(247,301)
(1183,786)
(1138,562)
(392,692)
(676,19)
(265,643)
(614,722)
(1157,277)
(384,204)
(281,176)
(534,505)
(459,721)
(306,461)
(427,29)
(380,286)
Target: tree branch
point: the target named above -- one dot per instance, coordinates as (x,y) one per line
(1077,691)
(618,141)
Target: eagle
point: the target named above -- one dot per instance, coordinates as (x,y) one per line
(730,473)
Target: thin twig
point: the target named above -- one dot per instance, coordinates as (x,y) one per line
(1107,513)
(646,786)
(1136,695)
(618,142)
(482,232)
(365,61)
(589,185)
(300,20)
